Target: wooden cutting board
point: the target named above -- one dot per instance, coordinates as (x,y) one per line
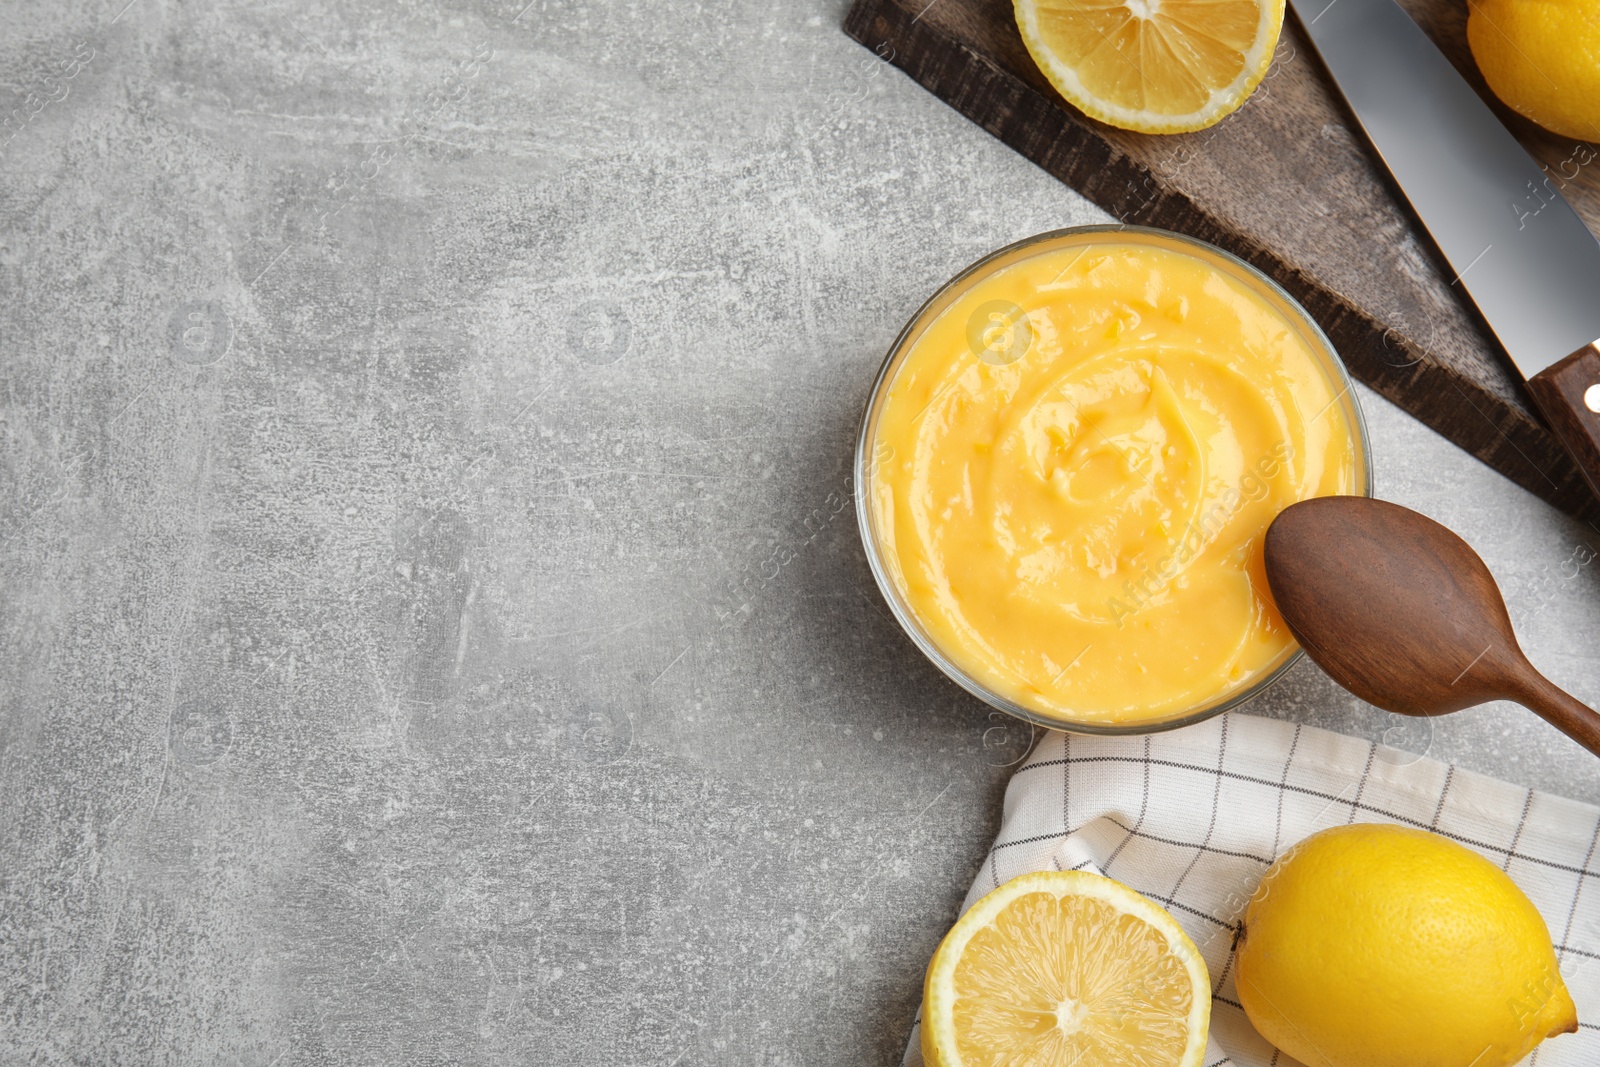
(1287,184)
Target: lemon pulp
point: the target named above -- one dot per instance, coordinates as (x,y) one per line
(1158,66)
(1066,968)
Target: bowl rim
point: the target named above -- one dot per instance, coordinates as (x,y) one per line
(945,294)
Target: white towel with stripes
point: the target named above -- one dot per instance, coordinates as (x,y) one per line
(1192,818)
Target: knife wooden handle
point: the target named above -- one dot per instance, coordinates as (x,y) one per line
(1568,395)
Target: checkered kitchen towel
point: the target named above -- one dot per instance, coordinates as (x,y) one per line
(1192,818)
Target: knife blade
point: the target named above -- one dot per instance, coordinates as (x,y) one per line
(1533,271)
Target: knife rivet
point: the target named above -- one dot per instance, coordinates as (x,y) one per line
(1591,398)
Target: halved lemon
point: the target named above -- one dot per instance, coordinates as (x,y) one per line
(1065,969)
(1157,66)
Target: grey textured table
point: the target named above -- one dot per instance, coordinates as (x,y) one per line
(393,397)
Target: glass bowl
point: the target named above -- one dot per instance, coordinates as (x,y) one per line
(1223,262)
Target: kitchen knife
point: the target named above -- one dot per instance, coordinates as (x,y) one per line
(1515,245)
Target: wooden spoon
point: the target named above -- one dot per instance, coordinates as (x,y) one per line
(1404,614)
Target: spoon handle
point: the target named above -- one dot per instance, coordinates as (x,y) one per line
(1558,708)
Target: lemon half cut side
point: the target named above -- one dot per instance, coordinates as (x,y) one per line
(1156,66)
(1066,969)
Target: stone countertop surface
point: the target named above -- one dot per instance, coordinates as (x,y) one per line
(394,397)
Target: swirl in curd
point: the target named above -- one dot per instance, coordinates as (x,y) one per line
(1074,465)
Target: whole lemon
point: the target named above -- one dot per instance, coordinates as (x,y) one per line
(1542,57)
(1381,946)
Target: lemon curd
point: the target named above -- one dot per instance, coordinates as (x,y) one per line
(1073,465)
